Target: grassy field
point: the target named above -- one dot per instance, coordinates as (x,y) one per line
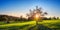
(54,24)
(31,25)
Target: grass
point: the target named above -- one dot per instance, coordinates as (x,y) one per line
(18,25)
(53,24)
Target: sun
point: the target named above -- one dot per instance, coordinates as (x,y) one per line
(37,16)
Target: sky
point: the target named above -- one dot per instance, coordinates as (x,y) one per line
(21,7)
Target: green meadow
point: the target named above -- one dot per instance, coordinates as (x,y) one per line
(31,25)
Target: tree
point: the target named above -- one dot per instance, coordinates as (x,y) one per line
(54,18)
(36,14)
(7,20)
(4,18)
(21,18)
(57,17)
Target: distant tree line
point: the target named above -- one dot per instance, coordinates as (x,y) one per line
(51,18)
(7,18)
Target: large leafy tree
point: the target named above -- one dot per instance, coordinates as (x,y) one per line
(36,14)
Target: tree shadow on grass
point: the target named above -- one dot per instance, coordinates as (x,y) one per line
(57,26)
(42,27)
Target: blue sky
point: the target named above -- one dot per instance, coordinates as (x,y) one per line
(21,7)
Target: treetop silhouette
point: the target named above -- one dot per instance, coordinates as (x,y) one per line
(36,13)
